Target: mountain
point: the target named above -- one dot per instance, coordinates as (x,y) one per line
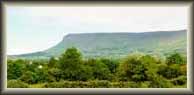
(117,44)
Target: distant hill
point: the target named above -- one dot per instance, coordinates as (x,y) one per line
(117,44)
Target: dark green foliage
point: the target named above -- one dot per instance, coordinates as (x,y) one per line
(31,66)
(170,72)
(175,58)
(16,84)
(132,69)
(99,69)
(91,84)
(70,63)
(85,73)
(159,82)
(70,70)
(55,74)
(15,69)
(42,75)
(29,77)
(53,62)
(111,64)
(181,80)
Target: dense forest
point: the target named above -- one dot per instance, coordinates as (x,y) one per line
(71,70)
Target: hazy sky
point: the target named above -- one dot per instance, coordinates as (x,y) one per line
(31,29)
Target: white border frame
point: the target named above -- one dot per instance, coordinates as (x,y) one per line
(188,90)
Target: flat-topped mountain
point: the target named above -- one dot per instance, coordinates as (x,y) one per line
(118,44)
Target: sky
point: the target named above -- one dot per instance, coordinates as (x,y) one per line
(31,28)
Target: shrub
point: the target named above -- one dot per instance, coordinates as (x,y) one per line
(134,69)
(145,84)
(71,71)
(124,85)
(16,84)
(52,62)
(94,84)
(111,64)
(54,85)
(85,73)
(29,77)
(100,84)
(15,69)
(183,69)
(55,74)
(180,80)
(160,82)
(78,84)
(170,72)
(100,71)
(175,58)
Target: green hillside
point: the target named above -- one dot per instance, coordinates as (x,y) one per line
(118,44)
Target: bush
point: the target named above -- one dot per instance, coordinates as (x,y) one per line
(99,71)
(160,82)
(29,77)
(133,69)
(15,69)
(85,73)
(55,74)
(71,71)
(16,84)
(78,84)
(175,58)
(117,85)
(95,84)
(183,69)
(54,85)
(144,84)
(124,85)
(100,84)
(170,72)
(111,64)
(180,80)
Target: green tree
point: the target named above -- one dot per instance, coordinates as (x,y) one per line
(111,64)
(175,58)
(29,77)
(30,66)
(99,69)
(132,69)
(137,68)
(158,81)
(85,73)
(55,74)
(53,62)
(150,64)
(70,63)
(42,74)
(15,69)
(170,72)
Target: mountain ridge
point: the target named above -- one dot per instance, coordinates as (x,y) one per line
(116,44)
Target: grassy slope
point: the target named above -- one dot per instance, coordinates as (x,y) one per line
(118,44)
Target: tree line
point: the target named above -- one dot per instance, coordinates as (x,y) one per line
(70,70)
